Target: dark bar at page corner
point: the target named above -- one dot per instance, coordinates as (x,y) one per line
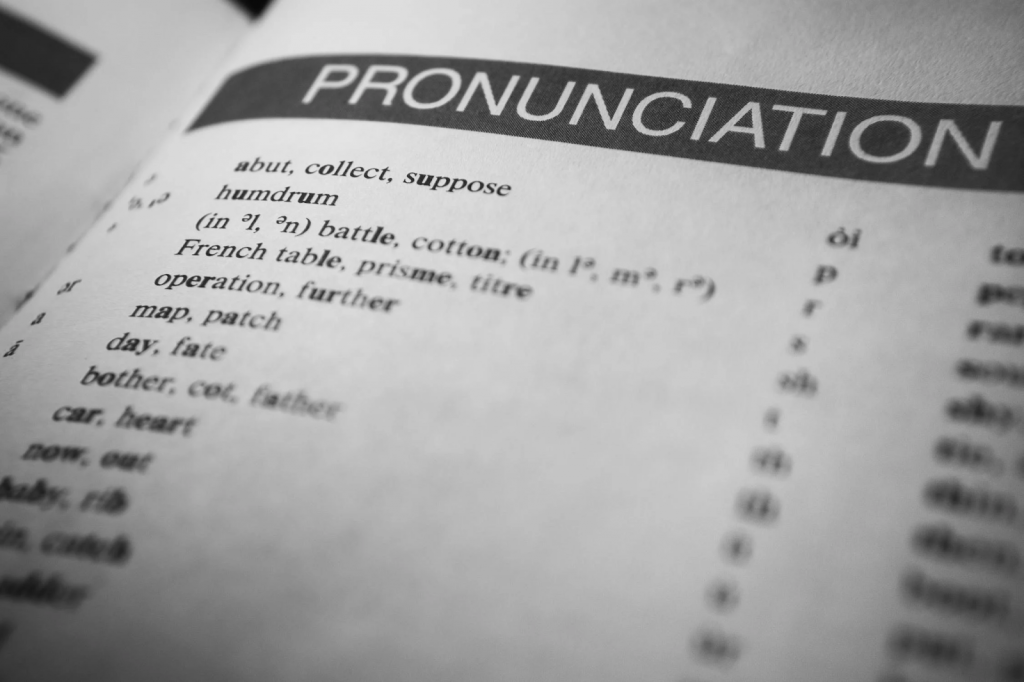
(961,146)
(40,57)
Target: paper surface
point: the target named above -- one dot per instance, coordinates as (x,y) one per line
(635,416)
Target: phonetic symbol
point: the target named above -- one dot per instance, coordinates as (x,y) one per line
(716,648)
(738,548)
(758,506)
(723,595)
(772,461)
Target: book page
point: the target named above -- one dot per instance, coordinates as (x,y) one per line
(86,90)
(542,341)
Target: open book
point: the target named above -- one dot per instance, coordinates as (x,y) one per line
(553,340)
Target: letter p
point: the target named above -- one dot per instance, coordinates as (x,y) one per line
(825,274)
(323,80)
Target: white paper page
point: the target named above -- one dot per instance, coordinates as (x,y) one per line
(715,421)
(94,86)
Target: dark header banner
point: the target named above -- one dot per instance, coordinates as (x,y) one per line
(938,145)
(40,57)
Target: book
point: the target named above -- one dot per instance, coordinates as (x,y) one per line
(535,341)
